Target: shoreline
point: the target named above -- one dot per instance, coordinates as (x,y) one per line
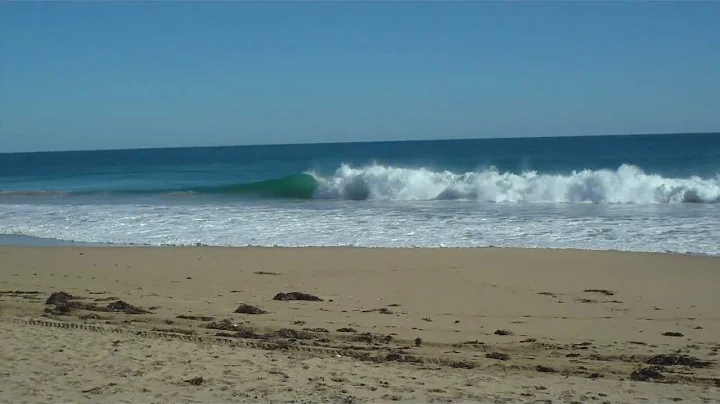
(23,241)
(482,324)
(19,240)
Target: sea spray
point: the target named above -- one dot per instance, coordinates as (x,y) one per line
(626,185)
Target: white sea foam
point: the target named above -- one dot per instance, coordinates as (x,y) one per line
(626,185)
(623,209)
(683,228)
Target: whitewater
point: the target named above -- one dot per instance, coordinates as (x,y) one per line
(652,193)
(628,184)
(386,206)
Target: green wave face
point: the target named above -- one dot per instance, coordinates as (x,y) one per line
(299,186)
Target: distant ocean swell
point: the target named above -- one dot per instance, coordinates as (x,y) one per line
(626,185)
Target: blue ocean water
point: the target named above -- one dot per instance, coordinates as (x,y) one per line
(642,192)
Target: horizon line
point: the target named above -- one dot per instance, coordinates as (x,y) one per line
(357,142)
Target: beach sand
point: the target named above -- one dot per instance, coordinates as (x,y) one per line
(487,325)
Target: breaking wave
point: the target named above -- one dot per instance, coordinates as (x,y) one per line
(626,185)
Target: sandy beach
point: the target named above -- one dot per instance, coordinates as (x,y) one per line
(477,325)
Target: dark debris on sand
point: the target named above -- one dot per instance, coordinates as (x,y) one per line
(681,360)
(240,331)
(346,329)
(648,373)
(59,298)
(323,330)
(195,381)
(124,307)
(91,316)
(20,292)
(462,365)
(601,291)
(497,355)
(382,310)
(370,338)
(196,318)
(545,369)
(673,334)
(249,309)
(397,356)
(64,303)
(289,333)
(225,325)
(297,296)
(503,332)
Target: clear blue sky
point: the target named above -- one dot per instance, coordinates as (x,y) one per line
(88,75)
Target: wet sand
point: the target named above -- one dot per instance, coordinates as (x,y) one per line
(505,325)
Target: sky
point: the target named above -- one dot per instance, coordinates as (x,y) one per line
(102,75)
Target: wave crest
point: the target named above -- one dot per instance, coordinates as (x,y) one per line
(626,185)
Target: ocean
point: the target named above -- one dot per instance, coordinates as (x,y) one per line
(636,193)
